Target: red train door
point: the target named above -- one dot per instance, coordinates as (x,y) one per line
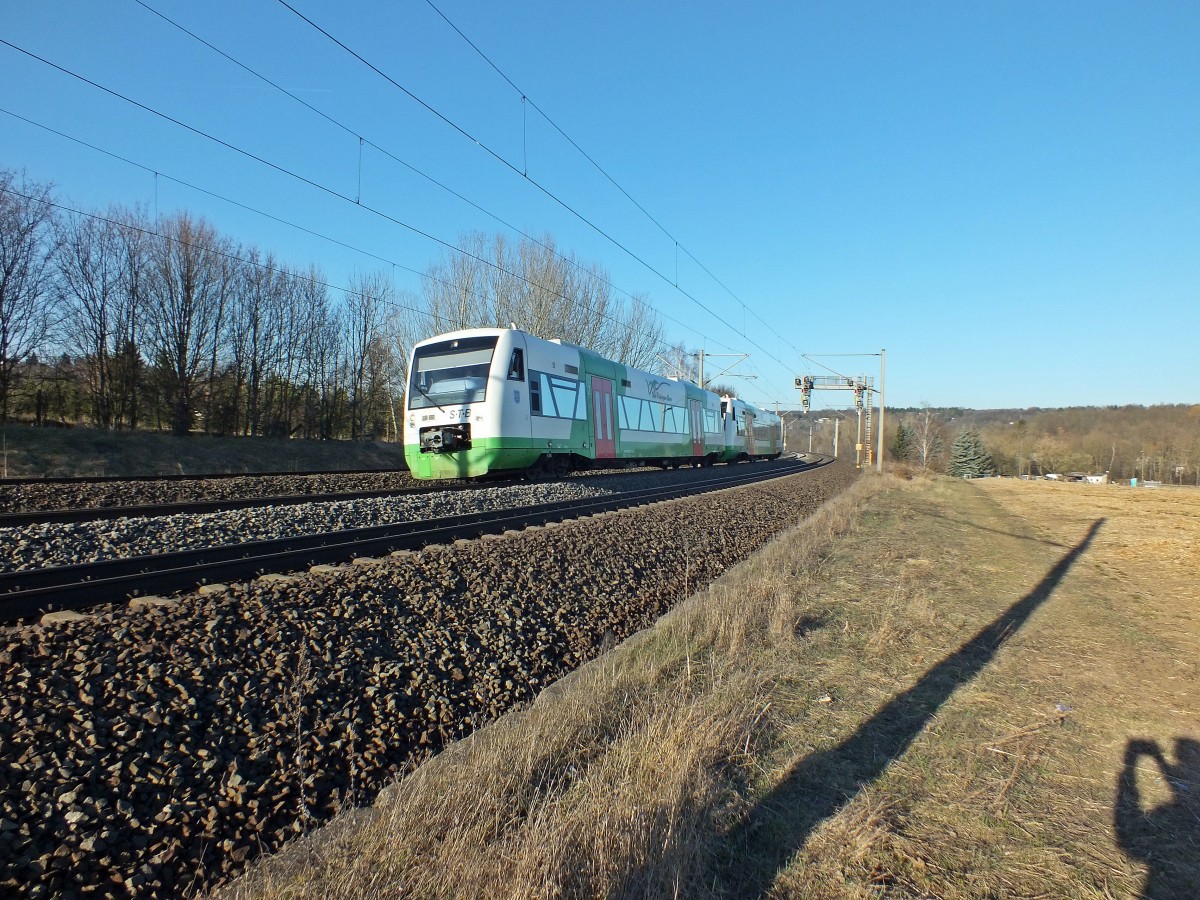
(602,418)
(697,429)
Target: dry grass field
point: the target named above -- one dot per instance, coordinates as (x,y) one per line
(932,688)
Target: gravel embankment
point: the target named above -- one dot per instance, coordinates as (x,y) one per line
(64,544)
(53,544)
(151,754)
(108,494)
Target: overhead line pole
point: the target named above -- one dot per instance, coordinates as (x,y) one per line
(702,355)
(882,363)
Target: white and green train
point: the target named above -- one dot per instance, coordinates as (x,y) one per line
(490,401)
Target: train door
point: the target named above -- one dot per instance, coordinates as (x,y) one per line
(602,418)
(697,428)
(749,420)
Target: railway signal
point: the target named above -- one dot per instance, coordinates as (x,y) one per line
(805,384)
(863,385)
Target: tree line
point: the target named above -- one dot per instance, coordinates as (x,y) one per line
(1154,443)
(120,321)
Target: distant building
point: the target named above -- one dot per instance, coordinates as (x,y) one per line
(1079,477)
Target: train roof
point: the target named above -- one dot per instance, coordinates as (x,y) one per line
(490,330)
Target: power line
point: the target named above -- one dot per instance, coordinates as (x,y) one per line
(303,179)
(496,155)
(542,113)
(233,257)
(511,167)
(317,234)
(375,146)
(525,99)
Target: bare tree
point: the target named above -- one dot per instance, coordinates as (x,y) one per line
(641,339)
(676,361)
(367,305)
(92,280)
(191,276)
(458,289)
(541,290)
(926,437)
(256,324)
(135,239)
(295,298)
(26,295)
(323,367)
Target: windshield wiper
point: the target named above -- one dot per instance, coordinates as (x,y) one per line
(430,396)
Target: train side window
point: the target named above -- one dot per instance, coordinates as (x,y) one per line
(516,365)
(564,397)
(535,395)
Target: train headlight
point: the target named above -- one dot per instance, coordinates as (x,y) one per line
(412,420)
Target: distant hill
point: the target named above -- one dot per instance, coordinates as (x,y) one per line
(1160,443)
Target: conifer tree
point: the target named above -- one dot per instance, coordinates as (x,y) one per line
(902,443)
(968,457)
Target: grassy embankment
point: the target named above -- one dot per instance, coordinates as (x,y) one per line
(59,452)
(930,689)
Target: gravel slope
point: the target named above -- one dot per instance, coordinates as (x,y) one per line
(151,754)
(106,494)
(55,544)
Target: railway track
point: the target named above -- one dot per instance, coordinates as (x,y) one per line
(150,479)
(107,508)
(28,593)
(196,507)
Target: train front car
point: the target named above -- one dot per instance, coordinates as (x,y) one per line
(468,406)
(750,433)
(497,400)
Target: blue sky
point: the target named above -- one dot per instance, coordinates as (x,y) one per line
(1005,196)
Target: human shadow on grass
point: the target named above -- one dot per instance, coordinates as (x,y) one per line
(760,845)
(1167,837)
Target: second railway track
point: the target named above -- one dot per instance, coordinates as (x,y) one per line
(196,507)
(28,593)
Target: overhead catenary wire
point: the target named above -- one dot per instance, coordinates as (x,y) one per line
(362,140)
(313,184)
(310,182)
(599,168)
(439,320)
(500,158)
(232,257)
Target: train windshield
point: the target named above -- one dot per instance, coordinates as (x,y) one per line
(451,372)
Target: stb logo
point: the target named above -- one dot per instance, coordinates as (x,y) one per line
(656,390)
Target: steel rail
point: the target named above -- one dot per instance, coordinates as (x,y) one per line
(28,593)
(70,515)
(195,507)
(210,476)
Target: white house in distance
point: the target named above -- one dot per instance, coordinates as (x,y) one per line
(1079,477)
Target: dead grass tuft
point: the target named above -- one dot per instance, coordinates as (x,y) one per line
(859,853)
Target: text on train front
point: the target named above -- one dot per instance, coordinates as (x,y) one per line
(449,376)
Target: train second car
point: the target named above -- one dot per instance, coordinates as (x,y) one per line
(495,400)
